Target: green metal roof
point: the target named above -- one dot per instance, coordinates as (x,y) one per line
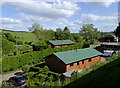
(61,42)
(77,55)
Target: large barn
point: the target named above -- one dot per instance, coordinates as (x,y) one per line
(72,60)
(60,43)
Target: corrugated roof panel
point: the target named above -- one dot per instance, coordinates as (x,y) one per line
(61,42)
(77,55)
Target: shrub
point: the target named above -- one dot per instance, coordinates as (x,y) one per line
(19,42)
(40,46)
(25,68)
(7,46)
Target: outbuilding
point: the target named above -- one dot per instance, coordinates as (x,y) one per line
(72,60)
(60,43)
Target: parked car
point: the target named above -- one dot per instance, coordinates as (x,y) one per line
(17,80)
(107,53)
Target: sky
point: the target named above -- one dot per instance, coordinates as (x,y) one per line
(18,15)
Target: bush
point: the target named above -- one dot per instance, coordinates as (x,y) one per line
(19,42)
(86,45)
(25,68)
(11,63)
(40,46)
(10,37)
(7,46)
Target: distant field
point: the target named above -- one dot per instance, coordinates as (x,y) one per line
(24,36)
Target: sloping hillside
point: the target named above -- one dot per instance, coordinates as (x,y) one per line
(107,76)
(23,36)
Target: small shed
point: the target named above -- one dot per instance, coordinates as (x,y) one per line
(72,60)
(60,43)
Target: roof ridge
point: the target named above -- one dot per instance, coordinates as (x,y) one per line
(73,50)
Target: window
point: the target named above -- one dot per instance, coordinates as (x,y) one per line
(71,64)
(89,59)
(83,62)
(78,63)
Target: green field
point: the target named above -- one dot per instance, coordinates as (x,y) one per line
(107,76)
(23,36)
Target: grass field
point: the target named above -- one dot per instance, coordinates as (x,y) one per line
(107,76)
(23,36)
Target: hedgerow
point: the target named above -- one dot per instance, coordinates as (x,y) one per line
(11,63)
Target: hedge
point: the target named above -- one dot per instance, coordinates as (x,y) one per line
(11,63)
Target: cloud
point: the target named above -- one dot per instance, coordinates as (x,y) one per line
(94,18)
(42,9)
(105,3)
(9,21)
(104,23)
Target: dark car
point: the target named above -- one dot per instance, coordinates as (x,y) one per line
(17,80)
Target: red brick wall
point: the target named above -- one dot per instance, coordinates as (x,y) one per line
(86,64)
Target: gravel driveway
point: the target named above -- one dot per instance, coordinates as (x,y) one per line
(7,76)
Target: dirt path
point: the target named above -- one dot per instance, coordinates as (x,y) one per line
(7,76)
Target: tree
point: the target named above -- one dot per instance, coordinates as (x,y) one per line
(59,34)
(66,32)
(42,34)
(117,31)
(34,27)
(89,33)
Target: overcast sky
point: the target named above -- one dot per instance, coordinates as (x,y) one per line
(18,15)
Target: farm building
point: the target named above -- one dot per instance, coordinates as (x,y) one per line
(108,38)
(60,43)
(72,60)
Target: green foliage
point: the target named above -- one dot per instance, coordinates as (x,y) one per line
(25,68)
(41,76)
(86,44)
(61,35)
(78,38)
(23,36)
(89,33)
(66,32)
(11,63)
(19,42)
(40,46)
(117,31)
(7,46)
(23,47)
(42,34)
(10,37)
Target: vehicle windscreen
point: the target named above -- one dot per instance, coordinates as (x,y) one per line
(20,78)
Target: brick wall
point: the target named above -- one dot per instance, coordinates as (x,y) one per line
(82,64)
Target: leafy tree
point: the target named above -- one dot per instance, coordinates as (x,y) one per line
(42,34)
(89,33)
(78,38)
(35,27)
(59,34)
(40,46)
(66,32)
(117,31)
